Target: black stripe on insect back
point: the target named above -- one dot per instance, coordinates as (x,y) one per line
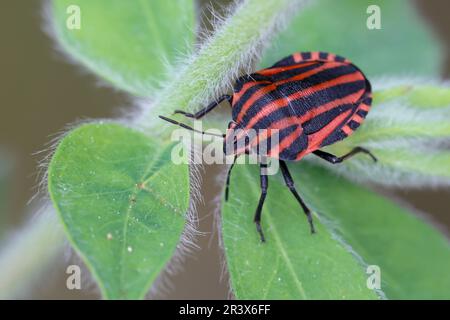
(321,120)
(272,142)
(292,87)
(323,55)
(267,120)
(297,146)
(237,106)
(361,113)
(277,77)
(321,97)
(288,61)
(283,133)
(367,100)
(353,125)
(248,78)
(306,55)
(300,106)
(283,75)
(337,135)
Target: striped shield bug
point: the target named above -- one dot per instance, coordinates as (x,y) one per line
(312,99)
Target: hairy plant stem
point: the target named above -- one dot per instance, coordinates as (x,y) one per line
(29,252)
(233,48)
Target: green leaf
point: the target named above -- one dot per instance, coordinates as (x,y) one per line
(412,255)
(113,188)
(421,95)
(292,264)
(403,45)
(400,166)
(129,43)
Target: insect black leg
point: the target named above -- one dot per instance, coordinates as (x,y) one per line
(334,159)
(290,184)
(205,110)
(264,185)
(228,178)
(185,126)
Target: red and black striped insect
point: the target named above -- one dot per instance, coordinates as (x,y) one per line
(312,99)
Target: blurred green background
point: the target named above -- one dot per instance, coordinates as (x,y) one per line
(41,92)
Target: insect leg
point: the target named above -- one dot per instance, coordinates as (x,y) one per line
(264,185)
(334,159)
(290,184)
(185,126)
(205,110)
(228,178)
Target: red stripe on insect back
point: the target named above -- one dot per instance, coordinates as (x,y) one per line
(274,127)
(272,71)
(347,130)
(297,57)
(353,77)
(287,141)
(315,139)
(315,55)
(245,87)
(331,57)
(357,118)
(330,105)
(307,74)
(283,144)
(258,94)
(255,96)
(282,124)
(364,107)
(284,102)
(262,136)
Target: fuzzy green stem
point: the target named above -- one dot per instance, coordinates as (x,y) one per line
(28,253)
(234,47)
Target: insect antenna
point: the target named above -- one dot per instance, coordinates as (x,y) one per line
(185,126)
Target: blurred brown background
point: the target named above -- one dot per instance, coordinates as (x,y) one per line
(40,93)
